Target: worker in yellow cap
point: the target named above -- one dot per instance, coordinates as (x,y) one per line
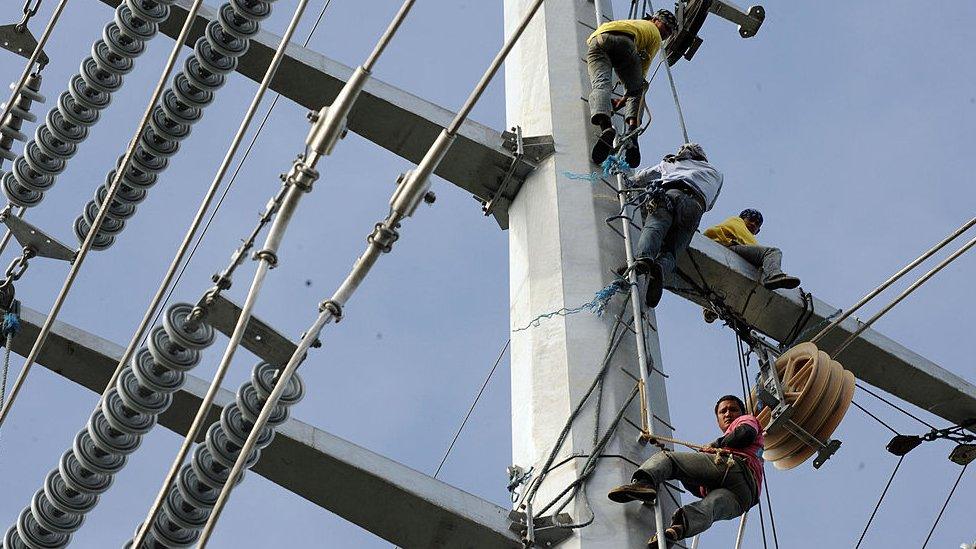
(626,47)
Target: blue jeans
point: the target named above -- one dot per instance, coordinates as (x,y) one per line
(668,230)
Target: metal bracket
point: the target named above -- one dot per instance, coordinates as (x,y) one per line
(691,15)
(259,338)
(546,531)
(19,40)
(43,245)
(534,149)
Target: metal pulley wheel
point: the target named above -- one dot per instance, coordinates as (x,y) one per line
(820,391)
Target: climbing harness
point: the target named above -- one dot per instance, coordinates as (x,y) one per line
(410,192)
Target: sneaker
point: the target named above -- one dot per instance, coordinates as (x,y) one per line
(781,280)
(603,146)
(635,491)
(655,285)
(632,153)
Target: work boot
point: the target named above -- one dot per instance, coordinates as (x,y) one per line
(635,491)
(603,146)
(655,285)
(632,154)
(640,266)
(781,280)
(672,534)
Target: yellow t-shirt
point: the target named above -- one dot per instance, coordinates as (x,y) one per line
(731,231)
(647,38)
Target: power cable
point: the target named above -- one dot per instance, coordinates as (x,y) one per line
(878,505)
(944,505)
(471,408)
(895,406)
(876,418)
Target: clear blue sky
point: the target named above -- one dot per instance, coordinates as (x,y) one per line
(849,124)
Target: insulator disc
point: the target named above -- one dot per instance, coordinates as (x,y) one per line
(50,518)
(168,354)
(238,429)
(174,321)
(264,377)
(140,398)
(61,496)
(153,377)
(35,536)
(79,479)
(93,458)
(183,512)
(123,419)
(194,491)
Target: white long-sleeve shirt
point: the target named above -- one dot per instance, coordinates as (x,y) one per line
(698,175)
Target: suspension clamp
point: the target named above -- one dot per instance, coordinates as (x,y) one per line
(267,255)
(546,531)
(301,175)
(333,307)
(383,237)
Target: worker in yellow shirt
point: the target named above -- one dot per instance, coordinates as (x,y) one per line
(626,46)
(738,235)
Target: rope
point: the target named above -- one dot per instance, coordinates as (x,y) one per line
(471,408)
(597,305)
(944,505)
(876,418)
(880,499)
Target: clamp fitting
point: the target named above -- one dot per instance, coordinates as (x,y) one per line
(267,255)
(334,308)
(383,237)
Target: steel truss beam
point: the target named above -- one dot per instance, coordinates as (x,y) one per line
(391,500)
(479,162)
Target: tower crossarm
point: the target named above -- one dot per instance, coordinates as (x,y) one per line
(873,358)
(479,162)
(391,500)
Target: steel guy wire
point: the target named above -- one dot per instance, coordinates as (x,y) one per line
(204,409)
(894,278)
(408,195)
(674,90)
(878,505)
(102,211)
(908,291)
(895,406)
(876,418)
(233,179)
(944,505)
(477,397)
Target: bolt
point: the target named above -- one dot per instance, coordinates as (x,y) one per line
(430,197)
(313,116)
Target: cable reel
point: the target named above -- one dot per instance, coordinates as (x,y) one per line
(806,395)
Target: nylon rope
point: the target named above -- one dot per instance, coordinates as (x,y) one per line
(477,397)
(102,211)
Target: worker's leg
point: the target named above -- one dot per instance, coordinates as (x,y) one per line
(718,504)
(765,258)
(687,215)
(695,468)
(769,261)
(601,80)
(656,228)
(627,64)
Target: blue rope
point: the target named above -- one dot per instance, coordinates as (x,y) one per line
(597,305)
(611,166)
(10,326)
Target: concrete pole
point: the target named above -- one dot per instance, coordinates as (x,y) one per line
(561,252)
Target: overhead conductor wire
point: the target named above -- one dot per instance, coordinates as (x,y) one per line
(19,87)
(102,211)
(187,239)
(233,178)
(406,198)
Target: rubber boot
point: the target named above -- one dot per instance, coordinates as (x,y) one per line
(603,146)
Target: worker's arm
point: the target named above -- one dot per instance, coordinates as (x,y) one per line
(645,177)
(741,437)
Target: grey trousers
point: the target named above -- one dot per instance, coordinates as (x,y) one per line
(731,491)
(668,231)
(608,53)
(765,258)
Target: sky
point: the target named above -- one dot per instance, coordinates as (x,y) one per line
(850,126)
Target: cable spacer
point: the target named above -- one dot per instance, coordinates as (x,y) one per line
(267,255)
(333,307)
(383,237)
